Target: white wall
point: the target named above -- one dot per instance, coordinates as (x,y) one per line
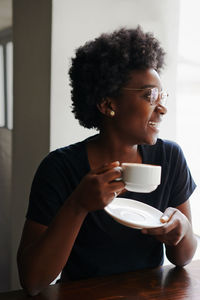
(75,22)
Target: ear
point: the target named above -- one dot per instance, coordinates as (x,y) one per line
(106,106)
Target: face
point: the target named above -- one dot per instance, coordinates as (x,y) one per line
(136,120)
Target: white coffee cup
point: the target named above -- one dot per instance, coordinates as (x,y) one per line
(140,178)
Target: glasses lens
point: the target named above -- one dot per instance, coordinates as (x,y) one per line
(163,98)
(154,95)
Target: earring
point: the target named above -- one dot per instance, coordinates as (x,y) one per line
(112,113)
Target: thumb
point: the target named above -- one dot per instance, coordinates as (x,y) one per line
(167,215)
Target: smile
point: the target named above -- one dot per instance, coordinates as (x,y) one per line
(153,124)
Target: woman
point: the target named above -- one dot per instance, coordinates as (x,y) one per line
(116,88)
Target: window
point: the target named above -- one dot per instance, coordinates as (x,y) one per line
(188,96)
(6,79)
(2,100)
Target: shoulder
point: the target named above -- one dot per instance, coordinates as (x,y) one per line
(62,155)
(163,152)
(70,152)
(169,145)
(171,154)
(69,158)
(170,148)
(166,146)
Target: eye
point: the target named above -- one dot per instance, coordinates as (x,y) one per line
(147,94)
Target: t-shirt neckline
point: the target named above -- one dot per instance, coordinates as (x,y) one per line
(140,147)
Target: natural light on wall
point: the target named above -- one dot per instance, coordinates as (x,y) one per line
(2,119)
(6,79)
(188,96)
(9,83)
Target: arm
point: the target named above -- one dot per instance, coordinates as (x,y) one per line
(177,234)
(184,248)
(43,250)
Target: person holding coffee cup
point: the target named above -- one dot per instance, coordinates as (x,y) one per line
(116,88)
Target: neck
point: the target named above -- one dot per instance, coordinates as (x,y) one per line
(109,147)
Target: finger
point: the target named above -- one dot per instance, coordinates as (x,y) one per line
(106,167)
(164,219)
(116,186)
(167,215)
(112,175)
(110,197)
(113,189)
(165,229)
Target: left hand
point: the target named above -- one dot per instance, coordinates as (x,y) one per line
(174,230)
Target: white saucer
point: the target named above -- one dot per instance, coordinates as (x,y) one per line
(134,214)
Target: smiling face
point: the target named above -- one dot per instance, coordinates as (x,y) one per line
(136,120)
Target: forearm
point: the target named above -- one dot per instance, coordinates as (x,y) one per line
(182,253)
(43,251)
(44,259)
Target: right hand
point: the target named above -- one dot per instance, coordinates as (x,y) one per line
(97,189)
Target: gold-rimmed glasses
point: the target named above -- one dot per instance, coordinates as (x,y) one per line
(153,95)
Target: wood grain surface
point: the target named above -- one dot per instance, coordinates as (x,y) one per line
(163,283)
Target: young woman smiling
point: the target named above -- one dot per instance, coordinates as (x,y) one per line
(116,88)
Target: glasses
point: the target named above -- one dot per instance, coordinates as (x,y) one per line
(153,95)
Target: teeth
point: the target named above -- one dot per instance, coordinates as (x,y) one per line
(155,124)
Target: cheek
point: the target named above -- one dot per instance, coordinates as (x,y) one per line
(135,115)
(128,109)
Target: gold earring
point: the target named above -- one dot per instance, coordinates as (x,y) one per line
(112,113)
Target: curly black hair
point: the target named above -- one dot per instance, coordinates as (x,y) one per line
(102,67)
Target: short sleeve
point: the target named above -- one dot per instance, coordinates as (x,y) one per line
(183,184)
(50,189)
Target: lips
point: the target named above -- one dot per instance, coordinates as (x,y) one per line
(154,125)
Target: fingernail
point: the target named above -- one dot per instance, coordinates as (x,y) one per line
(164,219)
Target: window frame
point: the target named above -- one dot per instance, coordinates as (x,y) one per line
(5,38)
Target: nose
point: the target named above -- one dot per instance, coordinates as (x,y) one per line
(161,109)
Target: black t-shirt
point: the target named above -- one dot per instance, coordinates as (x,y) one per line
(104,246)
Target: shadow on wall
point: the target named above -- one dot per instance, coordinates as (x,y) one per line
(5,209)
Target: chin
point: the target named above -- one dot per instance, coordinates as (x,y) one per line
(151,141)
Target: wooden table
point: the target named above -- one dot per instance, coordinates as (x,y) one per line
(162,283)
